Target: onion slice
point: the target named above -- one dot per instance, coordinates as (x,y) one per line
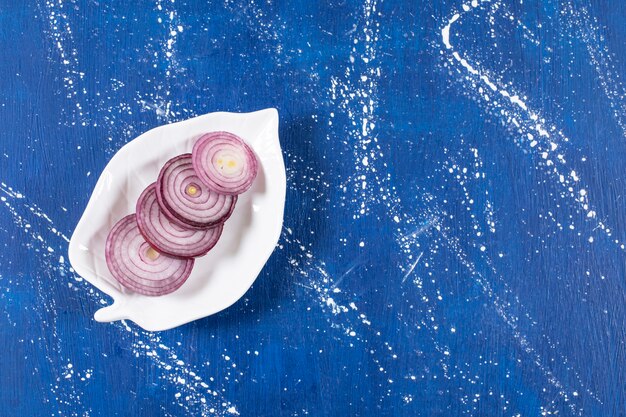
(138,266)
(224,162)
(185,199)
(170,237)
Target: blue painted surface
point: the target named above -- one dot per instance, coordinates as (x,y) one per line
(449,249)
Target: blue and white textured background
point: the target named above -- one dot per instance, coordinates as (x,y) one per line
(455,224)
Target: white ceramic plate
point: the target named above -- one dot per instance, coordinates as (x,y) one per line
(221,277)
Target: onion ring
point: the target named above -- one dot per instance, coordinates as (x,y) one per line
(170,237)
(136,265)
(224,162)
(185,199)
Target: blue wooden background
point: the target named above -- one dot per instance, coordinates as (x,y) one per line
(455,222)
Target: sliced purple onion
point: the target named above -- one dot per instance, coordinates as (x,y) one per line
(224,162)
(170,237)
(185,199)
(138,266)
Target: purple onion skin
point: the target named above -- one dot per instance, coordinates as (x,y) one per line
(171,237)
(128,259)
(208,152)
(183,209)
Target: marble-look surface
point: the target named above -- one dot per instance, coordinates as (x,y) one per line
(455,223)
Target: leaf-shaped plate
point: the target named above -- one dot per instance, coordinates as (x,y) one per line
(221,277)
